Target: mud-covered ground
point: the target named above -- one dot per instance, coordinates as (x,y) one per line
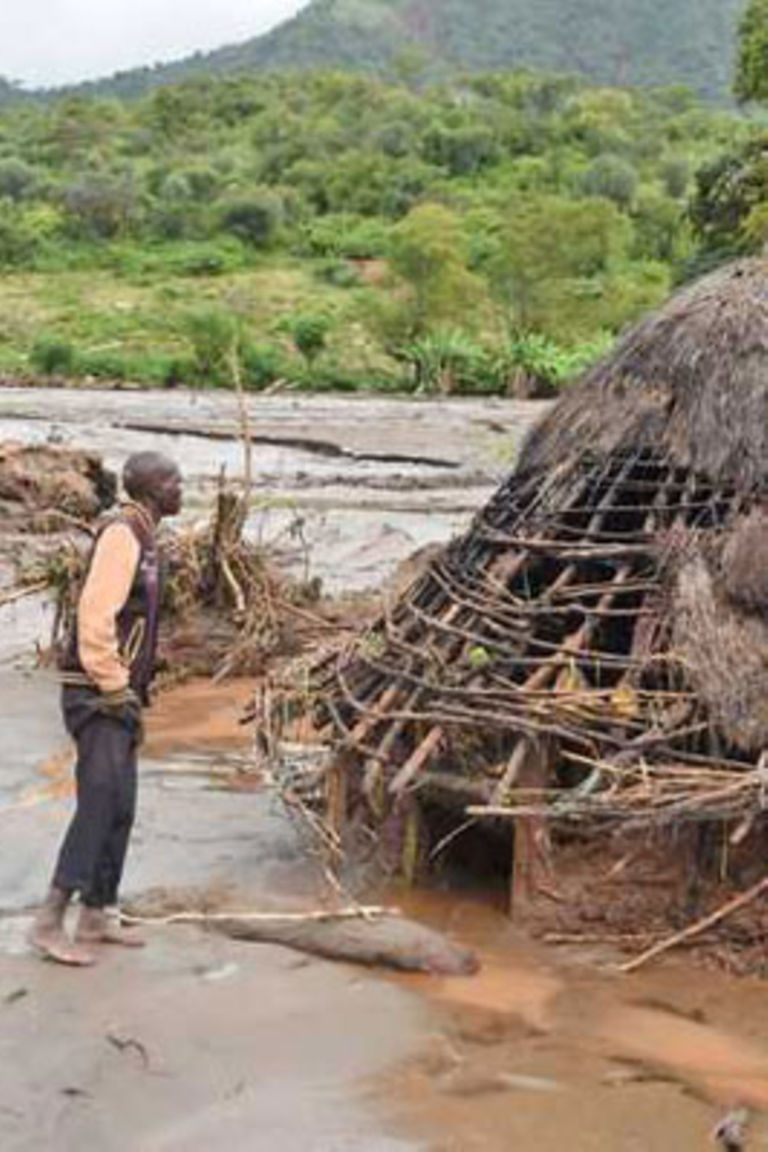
(199,1041)
(199,1038)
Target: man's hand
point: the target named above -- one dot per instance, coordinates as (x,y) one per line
(125,707)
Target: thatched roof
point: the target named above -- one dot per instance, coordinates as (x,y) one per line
(691,381)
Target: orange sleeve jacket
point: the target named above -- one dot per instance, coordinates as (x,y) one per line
(106,589)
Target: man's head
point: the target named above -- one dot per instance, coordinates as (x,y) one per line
(153,480)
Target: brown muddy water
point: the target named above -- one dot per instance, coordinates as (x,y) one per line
(542,1051)
(198,1041)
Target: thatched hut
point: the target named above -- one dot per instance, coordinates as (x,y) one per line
(595,647)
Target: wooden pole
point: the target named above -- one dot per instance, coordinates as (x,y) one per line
(336,793)
(532,846)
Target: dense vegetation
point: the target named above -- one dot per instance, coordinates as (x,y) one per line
(729,211)
(341,231)
(615,42)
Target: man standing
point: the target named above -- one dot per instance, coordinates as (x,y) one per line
(106,672)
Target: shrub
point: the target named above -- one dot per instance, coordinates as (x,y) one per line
(98,207)
(212,333)
(345,236)
(52,356)
(309,335)
(185,259)
(333,377)
(18,241)
(611,177)
(445,361)
(255,217)
(104,364)
(262,365)
(179,370)
(17,179)
(207,260)
(339,273)
(532,365)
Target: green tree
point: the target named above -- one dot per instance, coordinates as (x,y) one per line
(550,260)
(212,333)
(674,174)
(428,252)
(727,191)
(751,81)
(309,335)
(613,178)
(661,231)
(17,179)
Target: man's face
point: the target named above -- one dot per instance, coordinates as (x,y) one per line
(167,492)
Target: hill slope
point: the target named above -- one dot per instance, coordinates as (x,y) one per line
(625,42)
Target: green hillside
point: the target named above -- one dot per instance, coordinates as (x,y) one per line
(349,231)
(615,42)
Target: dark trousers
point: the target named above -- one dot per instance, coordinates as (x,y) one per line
(93,853)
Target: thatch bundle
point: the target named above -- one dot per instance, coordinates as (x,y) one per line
(725,653)
(689,382)
(744,563)
(571,636)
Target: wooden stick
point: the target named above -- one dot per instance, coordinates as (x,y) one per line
(698,928)
(320,917)
(416,761)
(20,593)
(245,426)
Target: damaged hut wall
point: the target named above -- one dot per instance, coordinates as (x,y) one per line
(550,633)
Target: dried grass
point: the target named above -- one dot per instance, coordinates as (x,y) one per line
(725,654)
(690,381)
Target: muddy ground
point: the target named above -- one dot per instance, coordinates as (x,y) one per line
(198,1040)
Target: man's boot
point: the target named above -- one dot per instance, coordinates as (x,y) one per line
(49,938)
(103,926)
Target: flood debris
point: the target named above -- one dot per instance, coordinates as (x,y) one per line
(591,656)
(228,607)
(45,487)
(731,1133)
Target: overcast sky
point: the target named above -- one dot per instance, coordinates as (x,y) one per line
(45,42)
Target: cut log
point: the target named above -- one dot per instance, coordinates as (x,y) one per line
(384,941)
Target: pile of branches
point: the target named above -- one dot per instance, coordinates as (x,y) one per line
(227,609)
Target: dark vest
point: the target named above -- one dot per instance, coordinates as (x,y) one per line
(137,622)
